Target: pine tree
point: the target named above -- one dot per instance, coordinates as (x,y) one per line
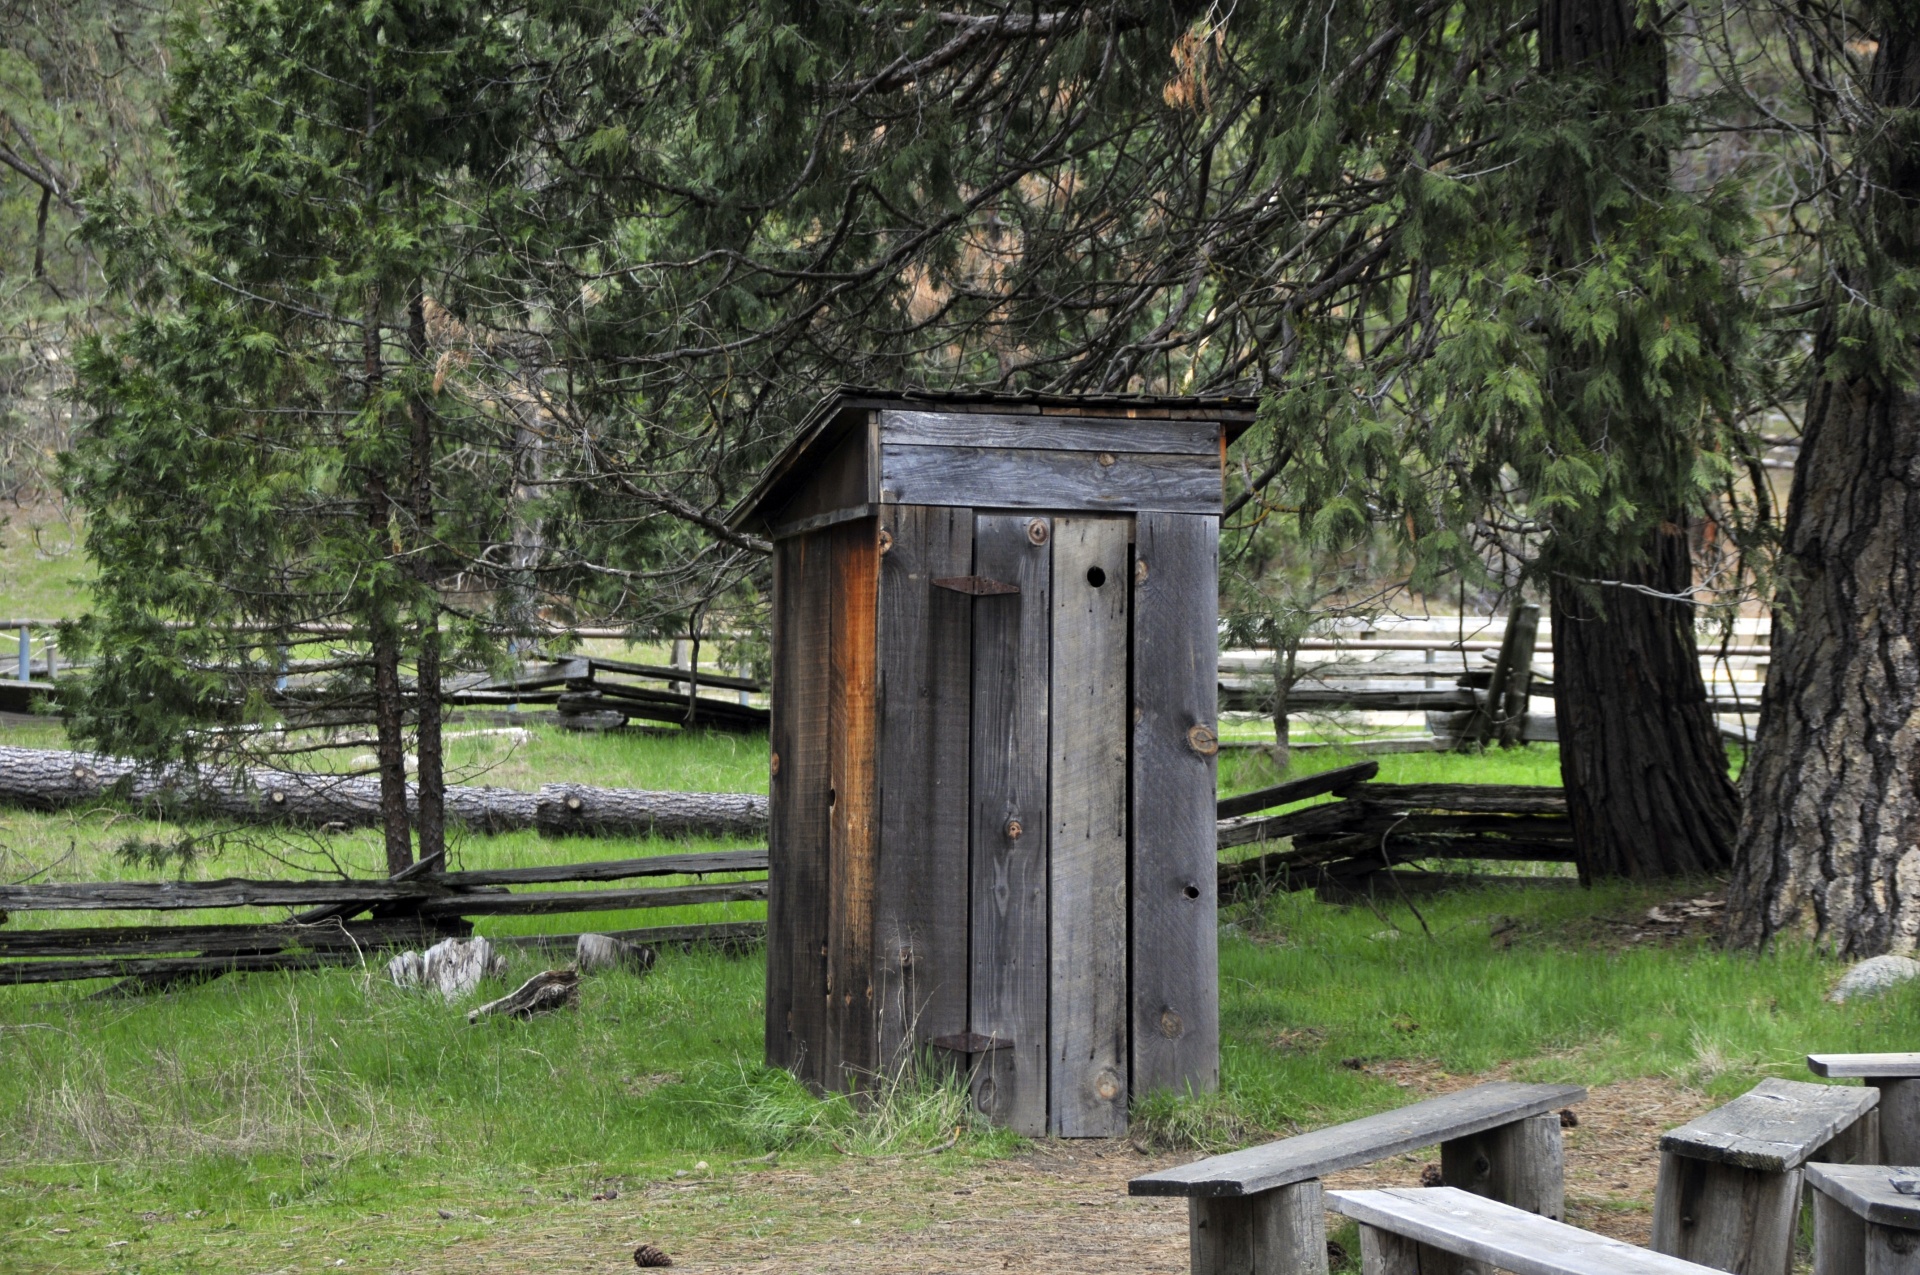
(273,451)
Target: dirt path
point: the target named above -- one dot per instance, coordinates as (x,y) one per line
(1062,1209)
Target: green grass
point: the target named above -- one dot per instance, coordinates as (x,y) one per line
(43,573)
(211,1127)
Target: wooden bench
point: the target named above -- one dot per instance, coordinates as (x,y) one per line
(1260,1210)
(1729,1190)
(1863,1223)
(1444,1231)
(1897,1077)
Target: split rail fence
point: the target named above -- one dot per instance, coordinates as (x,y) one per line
(1360,841)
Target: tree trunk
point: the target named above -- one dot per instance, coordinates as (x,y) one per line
(1640,757)
(430,820)
(1829,847)
(383,635)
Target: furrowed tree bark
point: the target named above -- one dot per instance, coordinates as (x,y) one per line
(1641,763)
(1829,846)
(1640,757)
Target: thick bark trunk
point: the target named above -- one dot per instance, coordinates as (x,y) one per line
(1640,758)
(1829,847)
(49,779)
(1830,844)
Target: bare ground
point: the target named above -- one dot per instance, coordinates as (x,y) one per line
(1062,1208)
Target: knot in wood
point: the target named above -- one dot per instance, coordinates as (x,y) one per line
(1140,571)
(1037,531)
(1106,460)
(1107,1086)
(773,764)
(1201,739)
(1014,830)
(277,797)
(574,803)
(1171,1025)
(886,540)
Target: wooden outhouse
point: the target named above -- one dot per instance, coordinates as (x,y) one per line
(993,739)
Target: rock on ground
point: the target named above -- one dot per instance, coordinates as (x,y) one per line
(1873,976)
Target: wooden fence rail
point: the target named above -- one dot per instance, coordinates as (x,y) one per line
(1347,843)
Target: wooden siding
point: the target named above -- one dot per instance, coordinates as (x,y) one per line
(852,1038)
(1050,433)
(798,881)
(924,663)
(1175,965)
(1063,480)
(1012,636)
(1088,847)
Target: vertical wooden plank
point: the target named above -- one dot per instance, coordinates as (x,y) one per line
(1176,962)
(920,907)
(852,1035)
(1899,1111)
(1839,1238)
(797,840)
(1284,1230)
(1522,1164)
(1012,637)
(1088,847)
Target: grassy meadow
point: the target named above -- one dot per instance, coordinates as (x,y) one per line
(204,1129)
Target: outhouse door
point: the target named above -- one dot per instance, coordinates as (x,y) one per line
(1049,798)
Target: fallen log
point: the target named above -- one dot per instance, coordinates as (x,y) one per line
(53,779)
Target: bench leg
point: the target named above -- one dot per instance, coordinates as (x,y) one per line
(1892,1251)
(1726,1217)
(1384,1253)
(1899,1113)
(1522,1164)
(1278,1232)
(1839,1238)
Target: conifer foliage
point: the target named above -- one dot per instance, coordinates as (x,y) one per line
(279,460)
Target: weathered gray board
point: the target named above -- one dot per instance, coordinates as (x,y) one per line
(1773,1127)
(1324,1151)
(1175,956)
(1050,433)
(1116,481)
(797,846)
(1012,638)
(1865,1066)
(1497,1235)
(1729,1188)
(1868,1191)
(1087,802)
(924,654)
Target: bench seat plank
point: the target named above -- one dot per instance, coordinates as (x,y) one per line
(1500,1235)
(1867,1190)
(1344,1146)
(1773,1127)
(1865,1066)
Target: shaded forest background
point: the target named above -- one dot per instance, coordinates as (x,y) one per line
(449,321)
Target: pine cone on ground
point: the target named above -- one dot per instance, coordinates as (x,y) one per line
(1430,1176)
(647,1255)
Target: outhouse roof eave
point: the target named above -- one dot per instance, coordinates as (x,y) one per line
(841,409)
